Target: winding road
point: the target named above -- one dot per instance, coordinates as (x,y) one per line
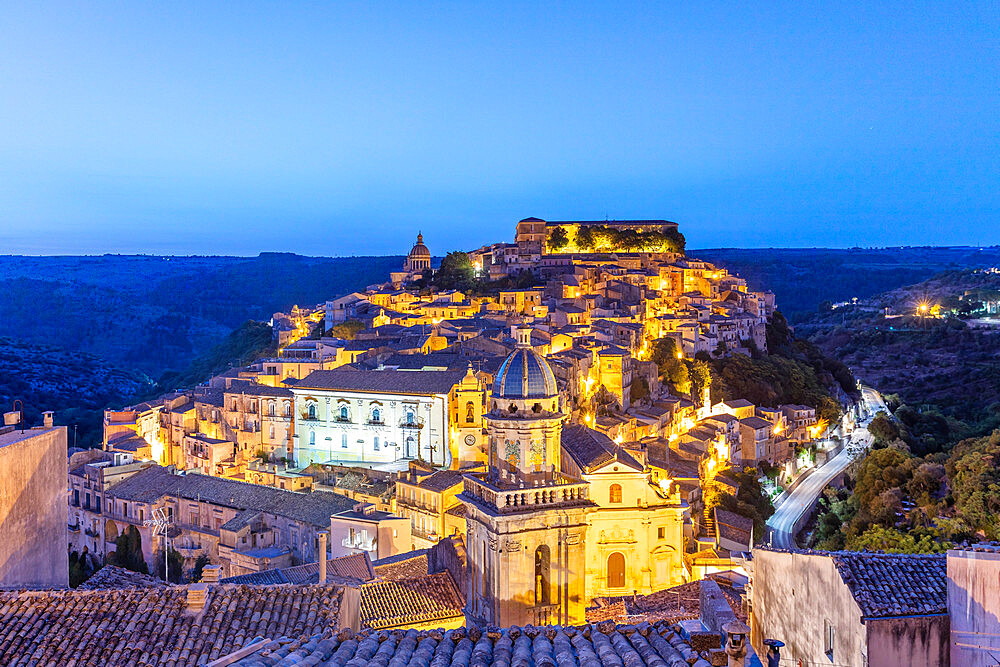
(792,508)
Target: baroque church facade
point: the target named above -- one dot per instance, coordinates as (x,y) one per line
(560,515)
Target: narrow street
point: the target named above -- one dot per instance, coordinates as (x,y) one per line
(792,507)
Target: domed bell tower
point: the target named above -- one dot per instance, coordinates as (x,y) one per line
(526,520)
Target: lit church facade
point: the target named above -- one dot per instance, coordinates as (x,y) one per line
(561,515)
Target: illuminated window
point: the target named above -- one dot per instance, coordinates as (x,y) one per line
(615,493)
(616,570)
(470,413)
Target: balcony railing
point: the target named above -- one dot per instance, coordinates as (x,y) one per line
(417,423)
(520,499)
(429,535)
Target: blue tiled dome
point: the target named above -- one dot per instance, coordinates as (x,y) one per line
(525,374)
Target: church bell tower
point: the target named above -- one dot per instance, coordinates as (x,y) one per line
(526,520)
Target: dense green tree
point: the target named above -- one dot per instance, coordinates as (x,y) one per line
(975,482)
(584,238)
(128,551)
(893,541)
(883,429)
(456,272)
(348,330)
(558,239)
(199,566)
(663,351)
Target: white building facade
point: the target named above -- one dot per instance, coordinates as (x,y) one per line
(374,416)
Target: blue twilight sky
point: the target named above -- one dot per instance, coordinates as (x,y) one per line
(341,128)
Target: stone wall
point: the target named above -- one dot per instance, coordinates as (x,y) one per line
(913,641)
(974,606)
(33,509)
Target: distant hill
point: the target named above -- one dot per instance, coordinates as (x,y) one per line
(947,371)
(76,386)
(803,278)
(157,313)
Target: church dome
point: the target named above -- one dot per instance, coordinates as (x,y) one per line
(525,374)
(419,249)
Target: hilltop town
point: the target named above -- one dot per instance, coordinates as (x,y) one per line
(549,433)
(564,373)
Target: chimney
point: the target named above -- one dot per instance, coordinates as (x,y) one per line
(210,574)
(47,418)
(196,597)
(322,557)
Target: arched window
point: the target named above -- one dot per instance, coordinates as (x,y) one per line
(288,409)
(376,415)
(312,411)
(344,414)
(470,413)
(542,587)
(409,447)
(616,570)
(270,408)
(615,493)
(312,438)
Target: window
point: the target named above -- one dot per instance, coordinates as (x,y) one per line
(470,413)
(272,431)
(344,414)
(376,415)
(409,417)
(97,506)
(76,497)
(828,637)
(142,516)
(312,438)
(270,409)
(343,441)
(615,493)
(661,533)
(542,587)
(312,411)
(376,443)
(124,506)
(616,570)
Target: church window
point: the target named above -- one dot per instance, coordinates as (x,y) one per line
(376,415)
(270,408)
(344,413)
(542,585)
(312,438)
(409,416)
(615,493)
(312,411)
(376,443)
(616,570)
(343,441)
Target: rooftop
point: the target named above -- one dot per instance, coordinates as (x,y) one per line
(154,626)
(388,381)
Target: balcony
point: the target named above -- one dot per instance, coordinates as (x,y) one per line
(74,527)
(429,535)
(417,423)
(416,505)
(512,500)
(90,532)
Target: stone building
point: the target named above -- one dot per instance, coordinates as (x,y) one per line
(526,519)
(33,513)
(384,416)
(635,535)
(855,609)
(417,261)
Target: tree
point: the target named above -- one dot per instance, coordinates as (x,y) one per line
(883,429)
(128,551)
(701,378)
(584,238)
(663,352)
(176,565)
(893,541)
(558,239)
(347,330)
(750,500)
(456,272)
(199,566)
